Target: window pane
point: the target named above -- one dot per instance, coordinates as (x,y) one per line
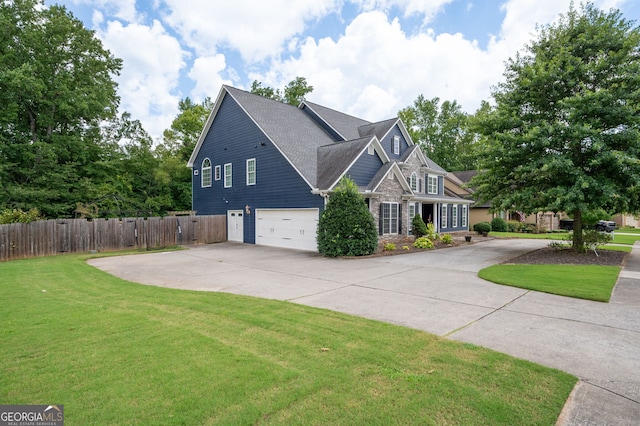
(251,171)
(205,180)
(227,175)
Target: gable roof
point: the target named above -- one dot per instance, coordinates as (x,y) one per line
(379,129)
(333,160)
(290,129)
(344,124)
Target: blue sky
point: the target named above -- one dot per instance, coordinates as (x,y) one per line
(369,58)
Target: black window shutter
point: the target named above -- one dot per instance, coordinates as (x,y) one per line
(400,219)
(380,220)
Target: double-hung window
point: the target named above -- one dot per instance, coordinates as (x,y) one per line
(228,175)
(432,184)
(443,216)
(389,218)
(454,216)
(412,213)
(251,171)
(464,216)
(413,181)
(205,179)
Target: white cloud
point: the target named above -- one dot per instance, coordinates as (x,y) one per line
(375,69)
(427,8)
(257,29)
(152,60)
(121,9)
(206,72)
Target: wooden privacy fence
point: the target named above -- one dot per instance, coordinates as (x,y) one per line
(49,237)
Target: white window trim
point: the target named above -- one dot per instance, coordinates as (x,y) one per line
(393,208)
(464,215)
(443,216)
(430,187)
(228,179)
(249,181)
(413,209)
(217,174)
(454,216)
(206,174)
(413,182)
(396,145)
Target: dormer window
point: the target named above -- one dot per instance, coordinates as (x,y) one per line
(396,145)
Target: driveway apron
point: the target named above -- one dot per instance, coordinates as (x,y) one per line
(438,292)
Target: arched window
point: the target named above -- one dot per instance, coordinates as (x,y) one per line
(206,173)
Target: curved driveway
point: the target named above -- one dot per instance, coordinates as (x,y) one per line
(439,292)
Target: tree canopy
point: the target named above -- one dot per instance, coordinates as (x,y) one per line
(56,87)
(564,134)
(293,93)
(442,130)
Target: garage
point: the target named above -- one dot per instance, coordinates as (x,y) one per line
(287,228)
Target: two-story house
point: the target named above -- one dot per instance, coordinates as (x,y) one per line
(269,167)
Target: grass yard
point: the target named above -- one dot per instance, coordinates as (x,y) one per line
(115,352)
(589,282)
(544,236)
(625,239)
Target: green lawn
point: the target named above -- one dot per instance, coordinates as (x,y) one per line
(581,281)
(545,236)
(625,239)
(115,352)
(562,236)
(629,230)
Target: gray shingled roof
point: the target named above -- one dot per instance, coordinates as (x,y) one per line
(345,124)
(378,129)
(377,178)
(290,129)
(334,159)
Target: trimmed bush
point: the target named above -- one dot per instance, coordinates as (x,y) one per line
(418,227)
(20,216)
(513,226)
(498,224)
(346,227)
(423,243)
(482,227)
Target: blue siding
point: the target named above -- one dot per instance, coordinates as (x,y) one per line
(234,138)
(387,143)
(450,226)
(364,168)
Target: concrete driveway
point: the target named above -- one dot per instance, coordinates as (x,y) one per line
(438,292)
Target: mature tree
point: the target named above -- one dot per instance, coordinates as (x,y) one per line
(565,131)
(56,87)
(180,139)
(293,93)
(346,226)
(178,144)
(442,131)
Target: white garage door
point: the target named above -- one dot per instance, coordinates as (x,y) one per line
(289,228)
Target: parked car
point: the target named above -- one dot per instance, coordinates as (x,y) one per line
(601,225)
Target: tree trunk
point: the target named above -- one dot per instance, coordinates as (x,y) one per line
(578,237)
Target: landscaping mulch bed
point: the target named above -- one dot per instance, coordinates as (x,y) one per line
(549,255)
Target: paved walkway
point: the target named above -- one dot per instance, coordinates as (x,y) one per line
(439,292)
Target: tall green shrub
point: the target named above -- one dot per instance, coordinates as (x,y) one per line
(346,227)
(418,227)
(498,224)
